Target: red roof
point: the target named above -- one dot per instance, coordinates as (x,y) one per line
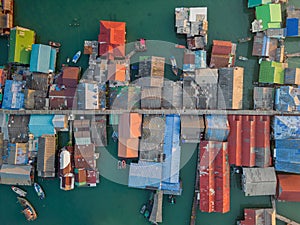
(214,177)
(91,176)
(112,38)
(220,55)
(288,187)
(249,140)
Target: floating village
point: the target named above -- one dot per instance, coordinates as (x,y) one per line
(152,116)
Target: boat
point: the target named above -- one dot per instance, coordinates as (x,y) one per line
(54,44)
(241,40)
(19,191)
(38,189)
(143,209)
(28,210)
(174,65)
(243,58)
(123,164)
(179,46)
(76,57)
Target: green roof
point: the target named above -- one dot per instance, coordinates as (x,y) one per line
(271,72)
(21,40)
(270,15)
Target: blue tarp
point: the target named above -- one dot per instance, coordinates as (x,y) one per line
(287,98)
(13,98)
(286,127)
(41,124)
(292,27)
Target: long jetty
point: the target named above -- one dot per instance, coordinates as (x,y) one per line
(152,111)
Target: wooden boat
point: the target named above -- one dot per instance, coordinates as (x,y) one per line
(28,210)
(19,191)
(54,44)
(179,46)
(38,189)
(76,57)
(174,65)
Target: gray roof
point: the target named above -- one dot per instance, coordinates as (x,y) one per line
(191,128)
(259,181)
(15,174)
(172,95)
(98,131)
(18,128)
(46,156)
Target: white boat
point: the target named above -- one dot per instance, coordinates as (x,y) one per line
(243,58)
(174,65)
(19,191)
(76,57)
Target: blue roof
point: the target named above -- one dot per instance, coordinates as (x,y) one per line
(217,127)
(286,99)
(292,26)
(200,59)
(286,127)
(41,124)
(287,155)
(13,98)
(171,149)
(43,58)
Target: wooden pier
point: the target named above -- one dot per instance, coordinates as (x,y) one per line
(196,192)
(286,220)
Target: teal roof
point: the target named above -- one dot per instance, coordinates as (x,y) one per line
(43,58)
(41,124)
(254,3)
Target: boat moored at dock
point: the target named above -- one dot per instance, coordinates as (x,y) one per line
(76,57)
(174,65)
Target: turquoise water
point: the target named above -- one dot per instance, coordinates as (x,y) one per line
(112,203)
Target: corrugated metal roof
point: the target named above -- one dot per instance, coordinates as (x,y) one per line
(249,140)
(171,149)
(259,181)
(98,131)
(192,128)
(214,177)
(41,124)
(151,97)
(217,127)
(16,174)
(287,98)
(70,76)
(84,156)
(292,76)
(259,217)
(263,98)
(128,147)
(230,88)
(145,174)
(40,58)
(13,98)
(172,95)
(287,155)
(286,127)
(17,128)
(288,187)
(46,156)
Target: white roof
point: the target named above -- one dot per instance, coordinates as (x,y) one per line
(65,159)
(196,11)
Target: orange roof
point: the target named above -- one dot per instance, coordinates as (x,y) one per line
(130,125)
(116,72)
(222,43)
(128,148)
(112,38)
